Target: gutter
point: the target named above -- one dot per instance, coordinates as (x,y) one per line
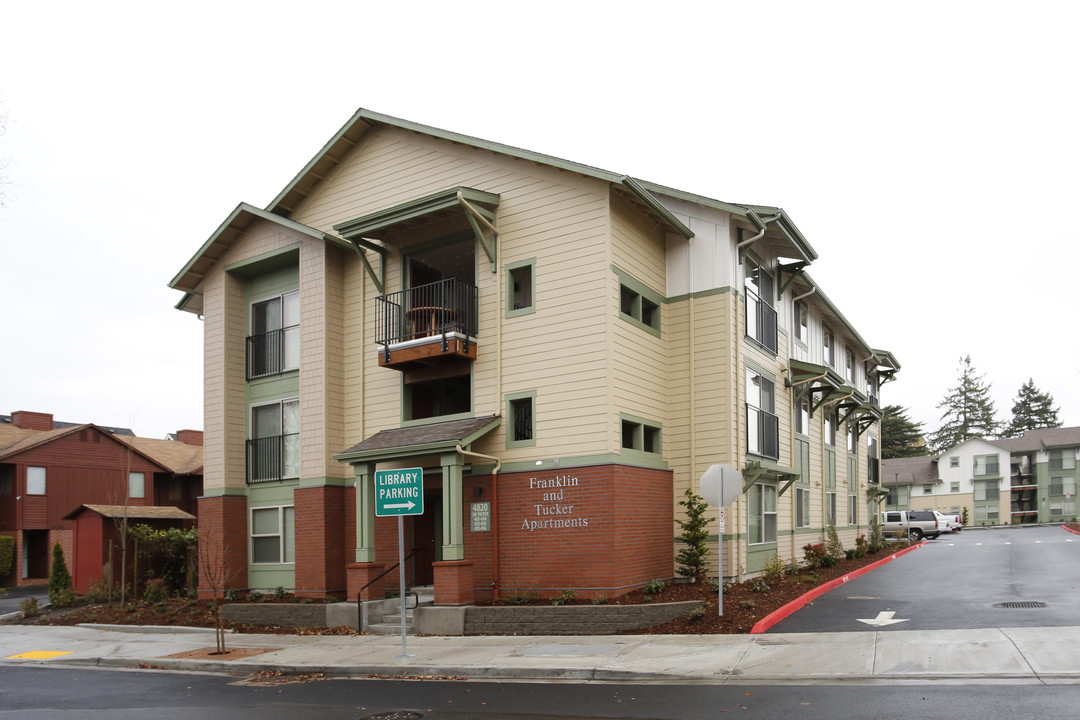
(494,515)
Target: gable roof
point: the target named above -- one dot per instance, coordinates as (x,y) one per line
(910,470)
(176,457)
(133,512)
(363,121)
(420,439)
(1043,439)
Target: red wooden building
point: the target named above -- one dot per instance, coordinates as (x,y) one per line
(48,471)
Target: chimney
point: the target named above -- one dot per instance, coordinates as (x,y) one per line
(32,420)
(191,437)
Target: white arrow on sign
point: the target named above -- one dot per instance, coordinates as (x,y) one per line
(408,506)
(885,617)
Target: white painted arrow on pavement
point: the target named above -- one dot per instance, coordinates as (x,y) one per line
(885,617)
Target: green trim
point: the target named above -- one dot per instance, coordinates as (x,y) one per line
(654,205)
(643,292)
(508,269)
(728,290)
(509,414)
(760,370)
(645,461)
(226,492)
(268,262)
(318,482)
(638,453)
(374,224)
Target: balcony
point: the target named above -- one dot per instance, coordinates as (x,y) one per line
(760,321)
(427,325)
(762,433)
(273,353)
(273,458)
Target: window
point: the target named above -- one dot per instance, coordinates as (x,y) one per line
(760,314)
(802,508)
(830,507)
(1063,459)
(830,428)
(1064,485)
(849,366)
(802,417)
(274,344)
(954,461)
(639,305)
(136,484)
(35,481)
(828,348)
(761,516)
(640,435)
(986,465)
(437,398)
(273,535)
(802,329)
(954,486)
(872,462)
(852,509)
(6,474)
(762,426)
(852,438)
(274,447)
(986,490)
(928,489)
(520,411)
(519,288)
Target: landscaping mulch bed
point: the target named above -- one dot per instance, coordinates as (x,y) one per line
(745,603)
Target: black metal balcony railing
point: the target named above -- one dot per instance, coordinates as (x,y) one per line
(761,321)
(873,470)
(762,433)
(873,399)
(272,353)
(439,308)
(273,458)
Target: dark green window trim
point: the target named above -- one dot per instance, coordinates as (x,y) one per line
(640,437)
(527,305)
(514,403)
(638,304)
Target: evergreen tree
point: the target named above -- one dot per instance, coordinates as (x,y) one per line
(900,436)
(1032,410)
(969,411)
(61,593)
(695,533)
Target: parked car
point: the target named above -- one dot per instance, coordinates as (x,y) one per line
(913,524)
(950,521)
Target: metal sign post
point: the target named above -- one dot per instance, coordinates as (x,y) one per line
(400,493)
(720,485)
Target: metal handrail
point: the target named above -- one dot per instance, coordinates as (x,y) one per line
(435,309)
(380,576)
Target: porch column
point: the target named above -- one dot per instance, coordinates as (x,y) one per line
(365,511)
(453,540)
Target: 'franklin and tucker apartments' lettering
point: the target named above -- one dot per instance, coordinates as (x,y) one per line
(554,509)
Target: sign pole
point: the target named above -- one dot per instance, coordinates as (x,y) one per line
(400,492)
(720,485)
(401,578)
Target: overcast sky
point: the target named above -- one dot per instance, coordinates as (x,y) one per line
(929,151)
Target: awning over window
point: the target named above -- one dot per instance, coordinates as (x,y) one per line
(406,442)
(886,364)
(855,409)
(818,384)
(758,470)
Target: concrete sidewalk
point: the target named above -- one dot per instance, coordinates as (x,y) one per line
(1049,655)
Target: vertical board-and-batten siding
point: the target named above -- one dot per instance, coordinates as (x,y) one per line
(555,217)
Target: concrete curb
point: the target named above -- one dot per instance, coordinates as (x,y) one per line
(786,611)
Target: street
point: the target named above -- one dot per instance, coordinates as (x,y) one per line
(43,693)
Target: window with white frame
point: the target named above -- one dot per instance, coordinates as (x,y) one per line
(762,425)
(136,484)
(928,489)
(274,344)
(35,481)
(760,313)
(828,347)
(849,366)
(853,510)
(1061,485)
(830,428)
(954,486)
(802,417)
(986,465)
(1063,459)
(954,461)
(273,535)
(274,447)
(852,438)
(761,515)
(802,508)
(830,507)
(801,322)
(986,490)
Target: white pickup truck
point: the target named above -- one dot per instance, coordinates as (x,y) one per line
(950,521)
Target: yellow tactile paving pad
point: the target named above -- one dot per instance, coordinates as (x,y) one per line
(39,655)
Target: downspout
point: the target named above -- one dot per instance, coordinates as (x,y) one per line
(494,516)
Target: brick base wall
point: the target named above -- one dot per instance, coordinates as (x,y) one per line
(320,541)
(223,538)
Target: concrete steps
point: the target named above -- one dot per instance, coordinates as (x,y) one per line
(384,616)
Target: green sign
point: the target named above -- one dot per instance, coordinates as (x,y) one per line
(399,492)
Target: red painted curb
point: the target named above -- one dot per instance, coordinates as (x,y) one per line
(1069,529)
(787,610)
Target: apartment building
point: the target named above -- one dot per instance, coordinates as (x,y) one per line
(1008,481)
(561,350)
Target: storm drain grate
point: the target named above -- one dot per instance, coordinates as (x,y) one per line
(396,715)
(1021,605)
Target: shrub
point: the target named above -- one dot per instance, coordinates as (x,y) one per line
(29,607)
(61,593)
(833,546)
(694,556)
(156,590)
(516,595)
(7,554)
(759,585)
(696,614)
(232,595)
(97,592)
(279,593)
(775,570)
(255,596)
(600,600)
(815,555)
(566,596)
(746,604)
(653,587)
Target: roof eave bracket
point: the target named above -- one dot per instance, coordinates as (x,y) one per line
(478,217)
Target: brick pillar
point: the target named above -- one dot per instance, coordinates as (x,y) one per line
(360,574)
(223,539)
(453,582)
(320,541)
